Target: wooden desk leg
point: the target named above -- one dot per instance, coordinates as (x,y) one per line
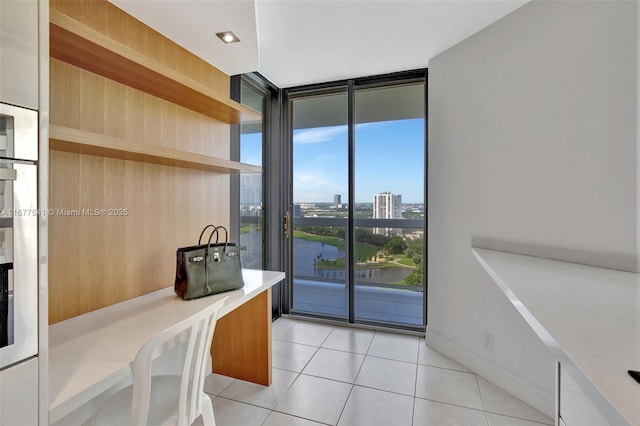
(242,341)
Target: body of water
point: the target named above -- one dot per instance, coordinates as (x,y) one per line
(305,253)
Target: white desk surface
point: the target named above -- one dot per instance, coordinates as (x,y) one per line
(588,316)
(90,353)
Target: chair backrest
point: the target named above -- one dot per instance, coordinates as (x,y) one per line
(197,334)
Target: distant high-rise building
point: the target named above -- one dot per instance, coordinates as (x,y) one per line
(337,200)
(387,206)
(297,210)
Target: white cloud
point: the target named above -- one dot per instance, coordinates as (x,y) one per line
(323,134)
(313,186)
(317,135)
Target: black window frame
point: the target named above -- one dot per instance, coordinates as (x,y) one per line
(272,179)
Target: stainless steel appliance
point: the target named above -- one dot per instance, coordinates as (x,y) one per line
(18,234)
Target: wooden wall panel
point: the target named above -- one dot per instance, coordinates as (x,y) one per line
(124,28)
(87,101)
(95,261)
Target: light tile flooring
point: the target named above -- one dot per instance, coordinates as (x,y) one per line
(341,376)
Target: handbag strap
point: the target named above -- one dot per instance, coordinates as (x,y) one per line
(226,241)
(215,231)
(226,235)
(206,255)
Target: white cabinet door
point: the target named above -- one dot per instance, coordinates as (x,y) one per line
(19,394)
(19,52)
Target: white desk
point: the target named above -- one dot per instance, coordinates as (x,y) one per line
(90,353)
(589,317)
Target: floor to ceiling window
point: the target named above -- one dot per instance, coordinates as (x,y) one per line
(255,218)
(251,203)
(358,200)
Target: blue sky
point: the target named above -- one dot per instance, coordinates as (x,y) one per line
(389,157)
(251,148)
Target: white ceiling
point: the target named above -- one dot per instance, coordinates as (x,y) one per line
(295,42)
(193,24)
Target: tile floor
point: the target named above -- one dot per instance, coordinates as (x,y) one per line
(323,374)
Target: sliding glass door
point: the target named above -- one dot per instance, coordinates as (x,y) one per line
(320,195)
(358,201)
(389,168)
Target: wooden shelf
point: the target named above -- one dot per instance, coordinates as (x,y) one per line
(82,142)
(84,47)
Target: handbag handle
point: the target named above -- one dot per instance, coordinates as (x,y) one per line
(215,231)
(226,234)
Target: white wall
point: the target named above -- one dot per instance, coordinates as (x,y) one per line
(532,139)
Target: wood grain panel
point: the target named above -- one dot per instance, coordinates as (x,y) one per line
(242,342)
(93,103)
(100,260)
(74,43)
(124,28)
(135,108)
(115,113)
(64,93)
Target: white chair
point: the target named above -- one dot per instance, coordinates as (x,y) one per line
(167,400)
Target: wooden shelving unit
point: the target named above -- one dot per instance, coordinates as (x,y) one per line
(121,90)
(82,46)
(83,142)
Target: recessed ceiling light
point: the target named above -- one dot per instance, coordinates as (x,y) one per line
(228,37)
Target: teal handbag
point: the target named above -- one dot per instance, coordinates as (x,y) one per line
(207,269)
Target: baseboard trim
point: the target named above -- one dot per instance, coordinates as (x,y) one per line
(517,386)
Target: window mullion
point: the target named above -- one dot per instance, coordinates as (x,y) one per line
(350,231)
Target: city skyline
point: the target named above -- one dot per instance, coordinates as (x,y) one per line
(382,164)
(320,163)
